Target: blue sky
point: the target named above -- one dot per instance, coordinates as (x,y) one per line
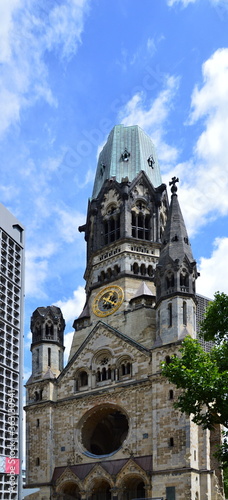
(72,69)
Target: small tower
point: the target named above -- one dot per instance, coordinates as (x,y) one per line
(47,327)
(175,278)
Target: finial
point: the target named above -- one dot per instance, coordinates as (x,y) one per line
(173,184)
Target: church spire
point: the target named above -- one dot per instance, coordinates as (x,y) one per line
(176,265)
(175,241)
(175,277)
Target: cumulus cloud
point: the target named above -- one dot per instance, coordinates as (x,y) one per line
(213,271)
(71,309)
(28,30)
(68,223)
(36,269)
(72,306)
(204,190)
(204,180)
(153,118)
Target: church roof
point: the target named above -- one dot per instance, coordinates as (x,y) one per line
(111,466)
(176,245)
(127,151)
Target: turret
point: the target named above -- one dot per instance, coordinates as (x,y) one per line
(175,278)
(47,327)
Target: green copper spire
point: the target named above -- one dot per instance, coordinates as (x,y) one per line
(127,151)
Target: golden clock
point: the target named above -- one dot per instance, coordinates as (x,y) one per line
(107,301)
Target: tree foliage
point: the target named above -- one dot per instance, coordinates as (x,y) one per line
(203,376)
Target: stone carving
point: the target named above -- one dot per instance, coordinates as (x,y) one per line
(110,203)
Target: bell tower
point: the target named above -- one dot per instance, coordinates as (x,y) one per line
(175,278)
(125,221)
(47,327)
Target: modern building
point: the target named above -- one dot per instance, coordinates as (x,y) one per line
(104,427)
(11,345)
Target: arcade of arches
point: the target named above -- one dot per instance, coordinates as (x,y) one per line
(130,488)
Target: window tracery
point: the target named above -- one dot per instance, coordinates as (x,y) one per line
(81,380)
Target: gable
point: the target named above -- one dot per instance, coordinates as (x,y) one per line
(105,353)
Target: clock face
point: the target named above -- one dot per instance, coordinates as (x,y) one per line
(108,300)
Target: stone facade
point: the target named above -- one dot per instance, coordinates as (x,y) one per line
(104,427)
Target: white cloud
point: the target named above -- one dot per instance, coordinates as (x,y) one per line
(214,271)
(205,187)
(73,306)
(153,118)
(28,29)
(68,338)
(185,3)
(151,46)
(68,223)
(204,180)
(36,269)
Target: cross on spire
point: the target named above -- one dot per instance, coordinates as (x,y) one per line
(173,184)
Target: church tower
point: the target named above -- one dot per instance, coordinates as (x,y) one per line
(47,327)
(125,222)
(105,427)
(175,278)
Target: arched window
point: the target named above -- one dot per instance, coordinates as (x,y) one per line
(170,315)
(150,271)
(83,376)
(184,280)
(49,356)
(184,313)
(49,330)
(112,229)
(171,442)
(167,360)
(143,269)
(135,268)
(103,373)
(102,365)
(169,281)
(128,368)
(171,394)
(125,368)
(140,224)
(81,380)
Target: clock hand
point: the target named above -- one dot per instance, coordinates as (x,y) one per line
(109,301)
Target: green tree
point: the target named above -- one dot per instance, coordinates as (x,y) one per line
(203,376)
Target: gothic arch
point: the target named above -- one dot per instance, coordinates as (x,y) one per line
(81,378)
(132,482)
(68,486)
(69,490)
(103,365)
(124,366)
(98,484)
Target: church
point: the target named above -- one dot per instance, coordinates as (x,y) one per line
(104,427)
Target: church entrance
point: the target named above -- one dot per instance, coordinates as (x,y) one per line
(101,491)
(70,491)
(133,488)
